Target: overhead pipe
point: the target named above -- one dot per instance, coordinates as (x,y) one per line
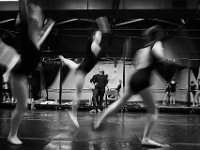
(129,22)
(6,21)
(67,21)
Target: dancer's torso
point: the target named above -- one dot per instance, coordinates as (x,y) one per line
(145,63)
(90,60)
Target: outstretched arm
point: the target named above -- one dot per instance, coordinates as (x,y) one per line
(158,50)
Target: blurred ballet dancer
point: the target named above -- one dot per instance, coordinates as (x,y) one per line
(139,82)
(93,56)
(22,65)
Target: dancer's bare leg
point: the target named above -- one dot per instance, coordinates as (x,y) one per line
(79,79)
(71,64)
(19,90)
(113,108)
(151,118)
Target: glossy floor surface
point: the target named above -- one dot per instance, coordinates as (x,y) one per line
(52,130)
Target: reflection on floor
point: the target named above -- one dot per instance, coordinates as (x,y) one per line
(52,130)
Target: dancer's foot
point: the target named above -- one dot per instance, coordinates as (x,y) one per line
(97,124)
(68,62)
(14,140)
(92,111)
(150,143)
(73,118)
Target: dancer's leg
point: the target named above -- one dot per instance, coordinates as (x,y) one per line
(71,64)
(113,108)
(151,117)
(20,92)
(79,81)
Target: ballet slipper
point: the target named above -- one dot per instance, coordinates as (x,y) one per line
(73,118)
(150,143)
(14,140)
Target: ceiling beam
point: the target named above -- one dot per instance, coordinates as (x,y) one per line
(106,4)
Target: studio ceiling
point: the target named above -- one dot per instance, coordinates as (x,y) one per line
(129,18)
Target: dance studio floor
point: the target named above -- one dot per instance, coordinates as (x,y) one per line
(52,130)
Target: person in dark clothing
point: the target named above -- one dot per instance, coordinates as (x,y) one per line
(167,94)
(100,81)
(193,92)
(173,91)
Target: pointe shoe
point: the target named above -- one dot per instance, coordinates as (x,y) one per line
(73,118)
(150,143)
(14,140)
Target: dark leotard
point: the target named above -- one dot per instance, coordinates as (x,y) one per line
(29,53)
(140,80)
(29,59)
(90,60)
